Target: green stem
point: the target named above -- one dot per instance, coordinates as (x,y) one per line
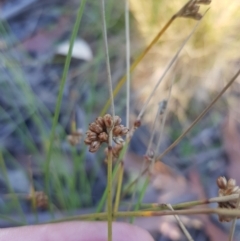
(103,216)
(140,198)
(109,185)
(159,207)
(119,186)
(104,196)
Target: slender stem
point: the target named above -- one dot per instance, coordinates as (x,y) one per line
(219,211)
(109,186)
(166,71)
(155,88)
(234,222)
(127,33)
(154,128)
(138,60)
(104,30)
(110,133)
(119,186)
(148,152)
(141,196)
(160,207)
(60,95)
(185,231)
(187,130)
(200,116)
(104,216)
(163,122)
(104,196)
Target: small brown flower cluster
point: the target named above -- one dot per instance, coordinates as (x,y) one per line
(191,9)
(227,188)
(40,199)
(75,137)
(98,131)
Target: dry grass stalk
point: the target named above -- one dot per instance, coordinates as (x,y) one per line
(185,231)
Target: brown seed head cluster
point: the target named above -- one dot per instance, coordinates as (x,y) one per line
(191,9)
(75,137)
(227,188)
(98,131)
(41,199)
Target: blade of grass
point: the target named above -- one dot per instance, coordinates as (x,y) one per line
(141,196)
(60,95)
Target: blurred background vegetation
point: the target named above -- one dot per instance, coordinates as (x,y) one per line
(32,36)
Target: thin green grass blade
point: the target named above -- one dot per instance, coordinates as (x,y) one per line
(60,95)
(140,198)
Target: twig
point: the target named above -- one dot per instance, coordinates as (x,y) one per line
(185,231)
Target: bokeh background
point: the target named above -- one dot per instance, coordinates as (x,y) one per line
(34,38)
